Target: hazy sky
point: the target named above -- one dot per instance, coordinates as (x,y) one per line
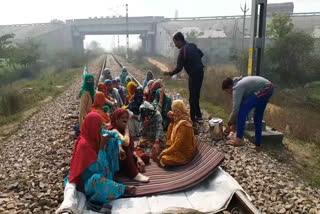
(28,11)
(35,11)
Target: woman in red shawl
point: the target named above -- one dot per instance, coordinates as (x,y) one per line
(98,103)
(133,165)
(94,161)
(103,88)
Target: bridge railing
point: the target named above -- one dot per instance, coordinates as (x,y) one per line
(234,17)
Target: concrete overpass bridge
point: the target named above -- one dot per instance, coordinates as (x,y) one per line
(145,26)
(155,31)
(70,35)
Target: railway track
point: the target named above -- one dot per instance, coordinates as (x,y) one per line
(121,66)
(35,160)
(239,204)
(109,62)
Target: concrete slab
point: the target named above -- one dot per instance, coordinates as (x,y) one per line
(250,125)
(269,137)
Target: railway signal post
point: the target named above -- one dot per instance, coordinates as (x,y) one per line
(257,38)
(255,63)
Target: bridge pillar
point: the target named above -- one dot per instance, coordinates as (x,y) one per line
(77,43)
(148,42)
(77,46)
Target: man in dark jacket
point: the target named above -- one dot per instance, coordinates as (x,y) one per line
(190,59)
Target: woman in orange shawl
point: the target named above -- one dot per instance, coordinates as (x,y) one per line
(110,105)
(181,146)
(103,88)
(131,87)
(98,103)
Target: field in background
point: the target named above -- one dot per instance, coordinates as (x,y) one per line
(295,112)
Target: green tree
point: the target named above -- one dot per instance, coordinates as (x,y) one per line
(27,53)
(193,36)
(242,62)
(56,21)
(63,59)
(280,26)
(290,51)
(95,47)
(6,45)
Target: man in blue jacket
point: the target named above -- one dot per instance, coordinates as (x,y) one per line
(190,59)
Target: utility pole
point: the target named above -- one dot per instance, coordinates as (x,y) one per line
(118,43)
(176,14)
(244,10)
(127,25)
(113,43)
(127,28)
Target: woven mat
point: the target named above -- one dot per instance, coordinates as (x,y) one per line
(168,180)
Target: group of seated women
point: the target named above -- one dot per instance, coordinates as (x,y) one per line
(122,127)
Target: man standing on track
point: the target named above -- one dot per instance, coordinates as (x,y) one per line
(190,59)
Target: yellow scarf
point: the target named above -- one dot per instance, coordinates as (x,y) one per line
(182,118)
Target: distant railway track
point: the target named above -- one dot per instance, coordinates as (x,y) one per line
(106,65)
(121,66)
(101,70)
(239,204)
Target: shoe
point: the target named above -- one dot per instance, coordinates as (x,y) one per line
(141,178)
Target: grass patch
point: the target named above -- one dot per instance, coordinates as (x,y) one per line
(49,84)
(314,92)
(9,119)
(315,84)
(177,87)
(10,101)
(215,110)
(30,92)
(307,160)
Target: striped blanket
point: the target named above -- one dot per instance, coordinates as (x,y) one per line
(179,178)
